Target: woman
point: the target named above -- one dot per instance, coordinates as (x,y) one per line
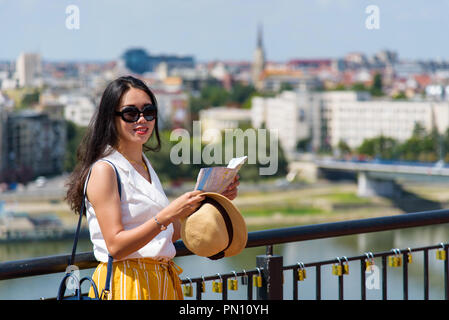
(138,229)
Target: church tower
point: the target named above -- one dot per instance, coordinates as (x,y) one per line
(258,65)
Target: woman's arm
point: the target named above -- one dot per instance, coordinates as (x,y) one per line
(177,230)
(102,192)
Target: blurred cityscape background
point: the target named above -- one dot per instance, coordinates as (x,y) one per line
(364,95)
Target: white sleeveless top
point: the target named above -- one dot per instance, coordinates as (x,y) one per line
(140,202)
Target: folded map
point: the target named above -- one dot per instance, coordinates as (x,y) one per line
(217,179)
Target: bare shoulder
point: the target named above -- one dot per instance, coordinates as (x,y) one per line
(102,181)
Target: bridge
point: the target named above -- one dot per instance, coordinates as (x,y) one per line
(380,177)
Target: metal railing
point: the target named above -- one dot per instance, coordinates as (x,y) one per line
(269,267)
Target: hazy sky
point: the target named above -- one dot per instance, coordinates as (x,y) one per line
(223,29)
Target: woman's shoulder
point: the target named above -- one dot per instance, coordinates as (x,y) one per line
(102,180)
(102,167)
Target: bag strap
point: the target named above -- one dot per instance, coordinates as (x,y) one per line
(78,228)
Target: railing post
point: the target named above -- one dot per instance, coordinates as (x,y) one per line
(271,276)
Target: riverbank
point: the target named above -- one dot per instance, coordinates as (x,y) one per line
(305,204)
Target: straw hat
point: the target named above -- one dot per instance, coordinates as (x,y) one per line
(216,229)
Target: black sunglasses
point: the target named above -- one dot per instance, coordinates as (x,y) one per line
(132,113)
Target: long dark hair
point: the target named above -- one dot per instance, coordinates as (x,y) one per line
(102,133)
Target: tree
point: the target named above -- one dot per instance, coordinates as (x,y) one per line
(343,147)
(359,86)
(240,93)
(421,146)
(379,147)
(74,135)
(215,95)
(285,86)
(303,144)
(377,87)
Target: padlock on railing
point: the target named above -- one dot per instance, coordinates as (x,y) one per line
(188,289)
(337,268)
(441,253)
(233,284)
(409,256)
(346,266)
(203,285)
(257,279)
(396,260)
(369,261)
(301,272)
(217,286)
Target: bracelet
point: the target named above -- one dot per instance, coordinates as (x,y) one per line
(160,224)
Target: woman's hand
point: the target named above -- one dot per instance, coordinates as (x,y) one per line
(181,207)
(231,190)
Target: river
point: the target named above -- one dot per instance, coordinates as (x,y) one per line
(305,251)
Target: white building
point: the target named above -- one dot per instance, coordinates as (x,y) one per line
(217,119)
(29,69)
(352,118)
(287,113)
(78,109)
(333,116)
(173,106)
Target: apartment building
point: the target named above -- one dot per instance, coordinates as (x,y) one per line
(221,118)
(36,142)
(288,113)
(29,69)
(333,116)
(352,117)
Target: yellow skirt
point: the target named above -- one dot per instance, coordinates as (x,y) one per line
(140,279)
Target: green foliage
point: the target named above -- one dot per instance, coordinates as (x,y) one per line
(240,93)
(303,145)
(285,86)
(340,87)
(74,136)
(343,147)
(379,147)
(400,96)
(421,146)
(214,96)
(377,87)
(359,87)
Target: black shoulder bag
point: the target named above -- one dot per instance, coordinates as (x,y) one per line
(70,274)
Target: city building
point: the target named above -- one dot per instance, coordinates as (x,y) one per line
(6,106)
(310,64)
(276,80)
(195,79)
(352,117)
(138,61)
(3,116)
(327,118)
(35,144)
(217,119)
(258,65)
(173,106)
(29,70)
(288,113)
(78,109)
